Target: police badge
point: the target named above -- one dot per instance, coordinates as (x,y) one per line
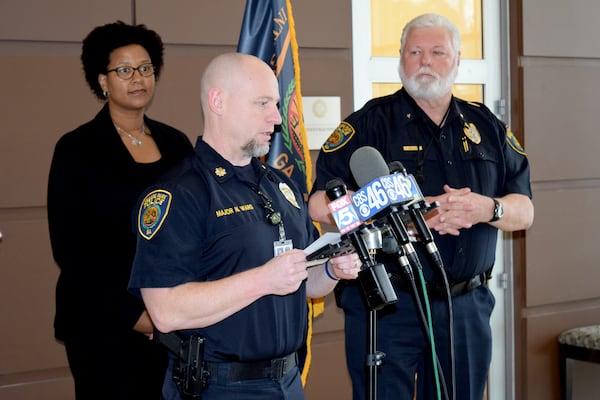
(472,133)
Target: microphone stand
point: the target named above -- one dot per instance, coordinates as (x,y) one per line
(377,276)
(375,357)
(373,278)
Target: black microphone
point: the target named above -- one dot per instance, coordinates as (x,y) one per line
(373,277)
(396,167)
(344,216)
(390,245)
(380,189)
(335,189)
(415,212)
(366,165)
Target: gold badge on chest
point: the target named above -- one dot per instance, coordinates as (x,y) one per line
(288,193)
(472,133)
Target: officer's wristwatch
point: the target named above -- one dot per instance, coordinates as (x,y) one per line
(498,211)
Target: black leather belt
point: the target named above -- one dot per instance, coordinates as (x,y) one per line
(456,289)
(437,290)
(241,371)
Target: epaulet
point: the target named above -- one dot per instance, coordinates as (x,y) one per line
(513,142)
(345,131)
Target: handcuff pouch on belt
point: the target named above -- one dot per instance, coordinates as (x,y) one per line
(189,370)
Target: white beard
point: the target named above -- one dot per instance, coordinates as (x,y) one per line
(426,88)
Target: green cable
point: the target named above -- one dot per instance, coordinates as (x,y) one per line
(431,336)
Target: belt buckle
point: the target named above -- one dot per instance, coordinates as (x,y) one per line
(472,284)
(278,368)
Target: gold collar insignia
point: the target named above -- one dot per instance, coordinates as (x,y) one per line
(220,172)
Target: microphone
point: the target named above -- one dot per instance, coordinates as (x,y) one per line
(425,235)
(390,245)
(379,189)
(373,239)
(367,163)
(345,218)
(418,219)
(340,206)
(396,167)
(390,191)
(373,277)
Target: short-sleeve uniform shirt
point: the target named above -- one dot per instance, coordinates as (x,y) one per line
(207,222)
(472,149)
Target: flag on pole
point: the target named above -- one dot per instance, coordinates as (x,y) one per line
(268,32)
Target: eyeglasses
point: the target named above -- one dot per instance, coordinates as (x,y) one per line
(126,72)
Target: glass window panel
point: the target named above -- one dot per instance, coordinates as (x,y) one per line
(467,92)
(388,17)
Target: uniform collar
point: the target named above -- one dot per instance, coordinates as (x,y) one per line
(414,112)
(221,169)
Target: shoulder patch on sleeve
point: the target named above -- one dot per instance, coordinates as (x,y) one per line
(153,212)
(342,135)
(514,143)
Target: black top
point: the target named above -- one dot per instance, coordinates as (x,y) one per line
(93,186)
(208,222)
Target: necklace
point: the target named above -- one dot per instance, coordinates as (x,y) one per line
(134,141)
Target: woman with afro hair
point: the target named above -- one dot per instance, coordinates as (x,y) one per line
(97,173)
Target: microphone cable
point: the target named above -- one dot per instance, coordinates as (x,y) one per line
(407,265)
(442,272)
(426,238)
(429,324)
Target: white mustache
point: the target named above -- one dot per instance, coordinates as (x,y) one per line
(428,71)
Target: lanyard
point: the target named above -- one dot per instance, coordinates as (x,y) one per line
(252,177)
(421,154)
(274,217)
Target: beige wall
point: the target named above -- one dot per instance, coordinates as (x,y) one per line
(560,67)
(43,94)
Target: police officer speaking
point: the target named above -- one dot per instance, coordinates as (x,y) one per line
(219,241)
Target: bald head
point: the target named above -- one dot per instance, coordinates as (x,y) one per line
(239,95)
(228,72)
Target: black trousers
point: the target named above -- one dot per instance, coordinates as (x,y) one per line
(110,366)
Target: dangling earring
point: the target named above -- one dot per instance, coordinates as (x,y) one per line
(105,94)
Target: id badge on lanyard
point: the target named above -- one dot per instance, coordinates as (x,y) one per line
(274,217)
(282,245)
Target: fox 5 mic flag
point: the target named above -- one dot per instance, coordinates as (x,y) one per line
(268,32)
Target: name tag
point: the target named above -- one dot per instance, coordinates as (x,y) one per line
(412,148)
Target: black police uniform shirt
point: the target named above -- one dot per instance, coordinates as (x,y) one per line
(207,222)
(473,149)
